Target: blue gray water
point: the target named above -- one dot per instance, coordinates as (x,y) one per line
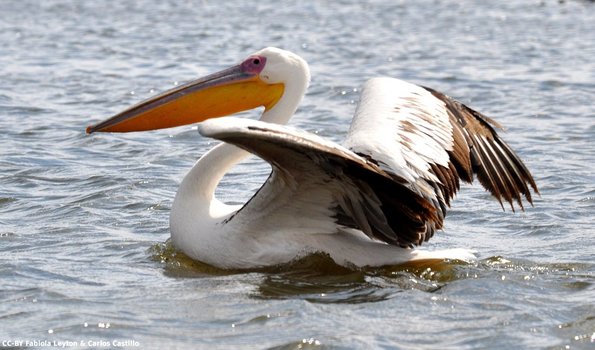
(84,219)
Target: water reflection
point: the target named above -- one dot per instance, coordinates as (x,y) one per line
(318,279)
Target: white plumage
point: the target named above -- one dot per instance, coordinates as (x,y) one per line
(367,202)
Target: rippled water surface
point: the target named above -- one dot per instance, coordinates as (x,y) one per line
(84,219)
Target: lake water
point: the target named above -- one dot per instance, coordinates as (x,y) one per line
(84,219)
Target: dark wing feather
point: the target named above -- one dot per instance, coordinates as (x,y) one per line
(364,196)
(498,168)
(433,141)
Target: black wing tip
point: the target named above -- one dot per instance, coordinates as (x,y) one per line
(507,178)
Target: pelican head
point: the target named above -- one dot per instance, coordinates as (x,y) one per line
(271,78)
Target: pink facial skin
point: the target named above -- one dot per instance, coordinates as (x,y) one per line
(253,64)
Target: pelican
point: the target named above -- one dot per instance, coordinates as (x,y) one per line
(368,202)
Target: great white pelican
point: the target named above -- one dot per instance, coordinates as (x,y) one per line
(367,202)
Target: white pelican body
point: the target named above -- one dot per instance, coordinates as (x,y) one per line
(366,203)
(282,222)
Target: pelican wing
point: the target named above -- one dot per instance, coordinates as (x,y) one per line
(433,141)
(321,178)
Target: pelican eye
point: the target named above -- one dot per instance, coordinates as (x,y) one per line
(254,64)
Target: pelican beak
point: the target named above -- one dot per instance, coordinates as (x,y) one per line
(226,92)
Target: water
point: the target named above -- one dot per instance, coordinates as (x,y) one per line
(84,219)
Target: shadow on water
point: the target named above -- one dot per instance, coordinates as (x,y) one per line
(177,264)
(317,278)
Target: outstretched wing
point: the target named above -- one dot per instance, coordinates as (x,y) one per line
(314,178)
(432,141)
(406,151)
